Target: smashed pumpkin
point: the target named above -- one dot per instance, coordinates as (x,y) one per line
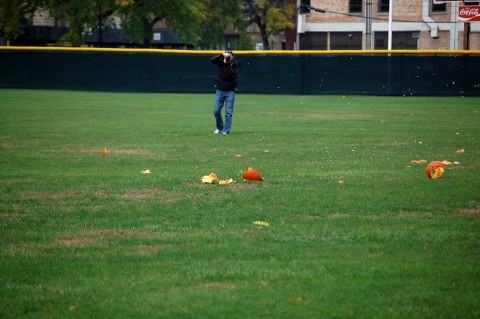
(435,169)
(261,223)
(252,175)
(418,161)
(210,179)
(226,181)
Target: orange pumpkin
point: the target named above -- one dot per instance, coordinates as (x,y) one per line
(435,169)
(252,175)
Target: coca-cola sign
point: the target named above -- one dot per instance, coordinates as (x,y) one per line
(469,14)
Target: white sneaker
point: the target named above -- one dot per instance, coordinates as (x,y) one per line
(226,134)
(217,131)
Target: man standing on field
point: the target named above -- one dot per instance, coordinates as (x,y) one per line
(226,86)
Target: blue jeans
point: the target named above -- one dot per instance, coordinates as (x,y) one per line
(221,98)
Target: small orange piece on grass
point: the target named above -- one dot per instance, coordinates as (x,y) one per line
(252,175)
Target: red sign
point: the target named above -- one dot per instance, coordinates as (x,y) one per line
(469,14)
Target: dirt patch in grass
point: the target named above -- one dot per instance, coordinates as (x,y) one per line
(216,285)
(150,250)
(60,195)
(403,214)
(128,152)
(259,230)
(132,194)
(338,215)
(137,194)
(240,183)
(110,151)
(147,250)
(321,116)
(16,181)
(475,212)
(310,217)
(25,249)
(235,186)
(161,195)
(99,237)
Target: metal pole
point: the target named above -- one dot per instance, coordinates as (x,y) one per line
(368,25)
(389,65)
(466,36)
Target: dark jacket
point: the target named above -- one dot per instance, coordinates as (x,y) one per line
(226,74)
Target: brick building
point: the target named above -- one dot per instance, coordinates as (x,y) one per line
(364,24)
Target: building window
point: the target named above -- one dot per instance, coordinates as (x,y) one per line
(345,40)
(383,5)
(304,6)
(355,6)
(400,40)
(313,41)
(438,7)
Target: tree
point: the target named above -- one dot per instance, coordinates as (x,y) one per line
(222,15)
(140,16)
(14,15)
(271,16)
(199,22)
(81,16)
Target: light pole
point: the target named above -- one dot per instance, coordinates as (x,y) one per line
(390,21)
(299,8)
(368,24)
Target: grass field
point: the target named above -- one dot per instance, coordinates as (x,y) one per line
(356,230)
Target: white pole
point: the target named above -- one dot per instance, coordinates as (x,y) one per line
(453,26)
(390,19)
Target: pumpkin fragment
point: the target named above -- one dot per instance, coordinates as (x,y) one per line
(209,179)
(418,161)
(226,181)
(261,223)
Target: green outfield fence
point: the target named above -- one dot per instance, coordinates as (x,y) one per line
(399,72)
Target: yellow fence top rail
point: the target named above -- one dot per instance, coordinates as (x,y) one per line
(239,52)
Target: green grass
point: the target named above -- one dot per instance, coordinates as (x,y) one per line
(83,236)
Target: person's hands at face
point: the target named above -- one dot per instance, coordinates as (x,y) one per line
(227,57)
